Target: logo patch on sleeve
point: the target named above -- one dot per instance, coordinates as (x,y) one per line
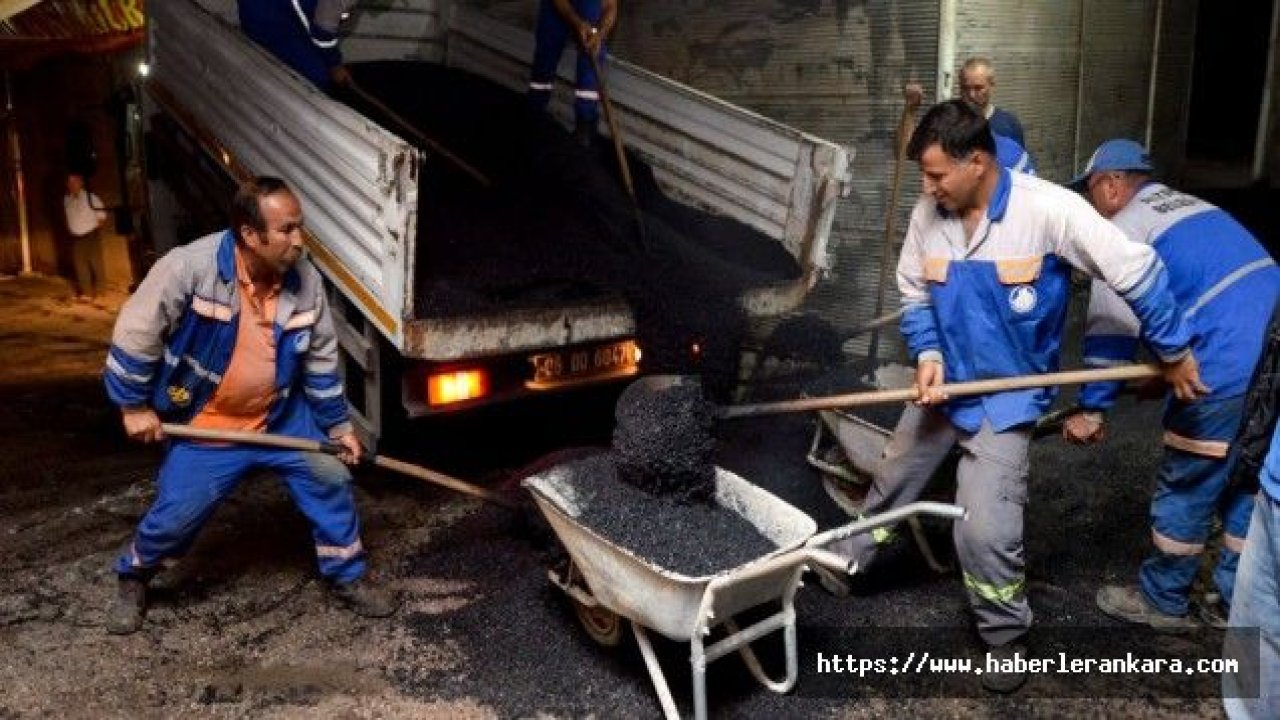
(179,395)
(1022,299)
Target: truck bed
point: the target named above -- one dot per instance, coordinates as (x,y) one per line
(366,193)
(555,225)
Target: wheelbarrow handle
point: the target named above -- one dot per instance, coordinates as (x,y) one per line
(889,517)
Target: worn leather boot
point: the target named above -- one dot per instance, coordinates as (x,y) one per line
(366,599)
(1001,671)
(1126,602)
(124,615)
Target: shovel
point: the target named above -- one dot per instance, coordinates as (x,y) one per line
(912,96)
(410,129)
(287,442)
(954,390)
(615,134)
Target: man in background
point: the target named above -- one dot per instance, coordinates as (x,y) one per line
(85,214)
(977,87)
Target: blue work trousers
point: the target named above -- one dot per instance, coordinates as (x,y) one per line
(1191,489)
(551,35)
(196,477)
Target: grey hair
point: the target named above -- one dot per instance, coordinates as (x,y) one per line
(979,61)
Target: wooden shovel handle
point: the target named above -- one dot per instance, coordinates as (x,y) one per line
(412,130)
(287,442)
(615,133)
(976,387)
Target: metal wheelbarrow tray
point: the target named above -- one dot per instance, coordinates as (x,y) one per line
(608,582)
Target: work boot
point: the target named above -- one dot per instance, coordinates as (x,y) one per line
(124,615)
(366,599)
(1213,613)
(1126,602)
(999,673)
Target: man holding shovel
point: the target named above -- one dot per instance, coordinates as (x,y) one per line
(303,34)
(589,23)
(232,332)
(1228,284)
(984,277)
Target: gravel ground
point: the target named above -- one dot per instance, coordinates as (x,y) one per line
(242,628)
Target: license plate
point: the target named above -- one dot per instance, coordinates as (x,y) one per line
(579,365)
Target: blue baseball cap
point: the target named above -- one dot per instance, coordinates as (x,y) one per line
(1117,154)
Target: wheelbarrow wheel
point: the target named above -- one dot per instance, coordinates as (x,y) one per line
(602,624)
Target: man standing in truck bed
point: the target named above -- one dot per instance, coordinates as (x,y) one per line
(589,22)
(232,332)
(303,34)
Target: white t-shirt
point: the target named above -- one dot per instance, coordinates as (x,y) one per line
(85,212)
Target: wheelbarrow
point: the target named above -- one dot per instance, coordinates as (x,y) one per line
(608,584)
(848,444)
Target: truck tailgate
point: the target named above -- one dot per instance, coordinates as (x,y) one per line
(357,182)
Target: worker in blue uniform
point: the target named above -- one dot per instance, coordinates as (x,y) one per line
(985,279)
(977,87)
(232,332)
(1226,284)
(303,34)
(589,23)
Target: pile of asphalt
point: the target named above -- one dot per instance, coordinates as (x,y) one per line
(664,441)
(555,224)
(693,539)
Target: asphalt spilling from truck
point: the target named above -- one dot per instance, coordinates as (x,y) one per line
(555,225)
(664,441)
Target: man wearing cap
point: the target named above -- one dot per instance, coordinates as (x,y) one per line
(589,22)
(985,278)
(1226,284)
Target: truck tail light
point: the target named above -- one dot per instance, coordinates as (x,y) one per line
(454,386)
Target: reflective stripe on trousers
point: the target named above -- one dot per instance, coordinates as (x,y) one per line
(991,483)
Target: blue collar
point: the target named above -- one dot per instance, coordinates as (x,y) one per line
(999,202)
(227,264)
(227,257)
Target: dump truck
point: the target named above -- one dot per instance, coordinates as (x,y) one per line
(219,109)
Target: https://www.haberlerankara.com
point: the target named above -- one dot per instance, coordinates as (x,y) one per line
(924,663)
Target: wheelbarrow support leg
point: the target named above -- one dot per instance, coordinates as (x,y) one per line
(660,681)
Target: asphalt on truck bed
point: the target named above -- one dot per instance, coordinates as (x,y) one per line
(556,226)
